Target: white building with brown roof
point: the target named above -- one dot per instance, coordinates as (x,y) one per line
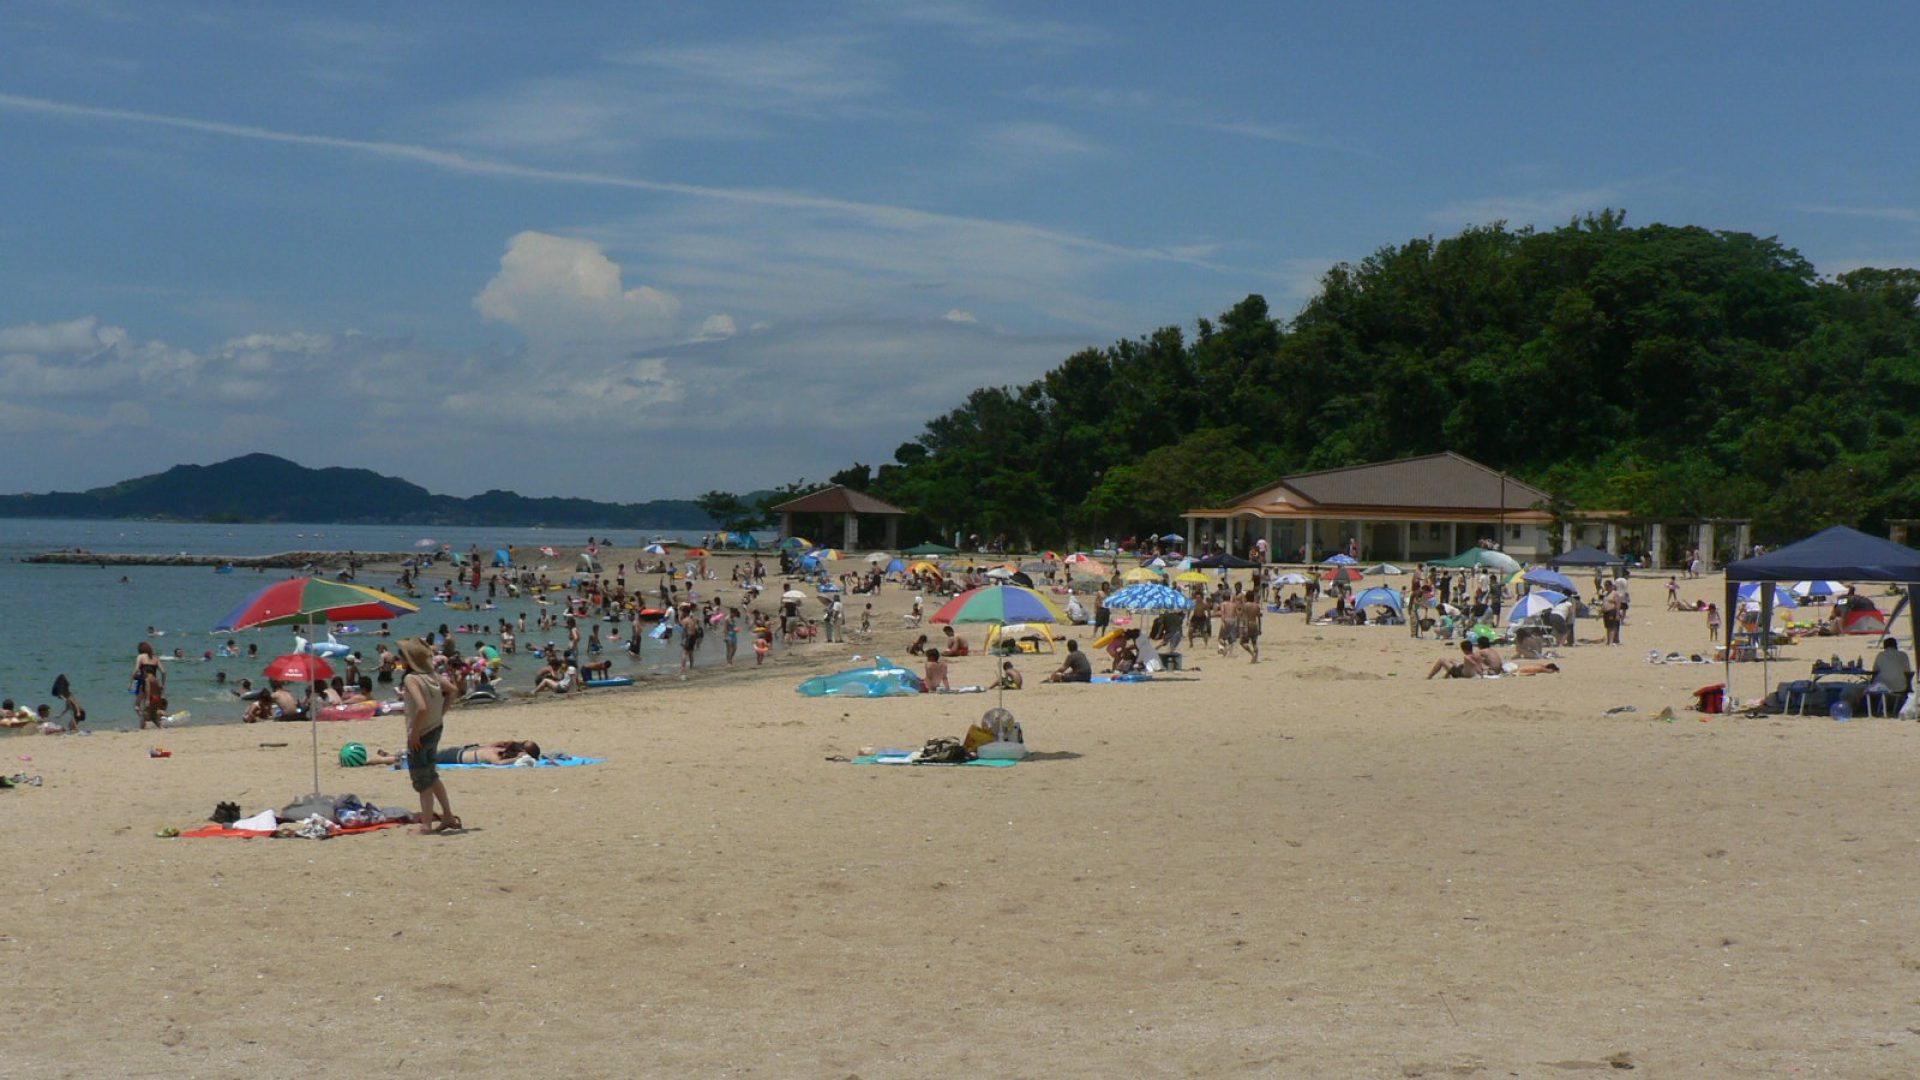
(1409,510)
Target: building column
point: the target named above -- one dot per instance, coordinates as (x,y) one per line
(1406,541)
(1453,539)
(1268,536)
(1704,539)
(850,532)
(1613,538)
(1742,534)
(893,532)
(786,524)
(1306,545)
(1567,531)
(1658,543)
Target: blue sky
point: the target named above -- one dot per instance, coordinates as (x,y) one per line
(630,250)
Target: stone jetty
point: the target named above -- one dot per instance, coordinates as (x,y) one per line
(285,560)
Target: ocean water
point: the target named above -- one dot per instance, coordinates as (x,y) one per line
(86,622)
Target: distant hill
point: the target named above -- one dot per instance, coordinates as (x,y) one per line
(262,487)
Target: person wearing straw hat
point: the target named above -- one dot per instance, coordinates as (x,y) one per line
(425,695)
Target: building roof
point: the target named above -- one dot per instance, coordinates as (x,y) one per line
(1439,482)
(838,499)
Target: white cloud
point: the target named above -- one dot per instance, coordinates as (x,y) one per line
(1028,145)
(869,214)
(956,315)
(558,288)
(716,328)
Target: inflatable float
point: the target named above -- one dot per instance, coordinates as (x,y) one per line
(617,680)
(360,710)
(328,649)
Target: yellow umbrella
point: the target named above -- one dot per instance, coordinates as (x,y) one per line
(1197,577)
(1141,573)
(924,568)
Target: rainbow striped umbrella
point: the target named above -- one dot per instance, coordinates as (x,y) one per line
(1000,604)
(827,554)
(313,600)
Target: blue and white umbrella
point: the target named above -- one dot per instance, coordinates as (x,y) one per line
(1750,594)
(1553,579)
(1148,596)
(1818,588)
(1533,605)
(1342,559)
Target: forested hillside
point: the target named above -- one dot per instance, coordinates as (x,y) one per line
(1663,370)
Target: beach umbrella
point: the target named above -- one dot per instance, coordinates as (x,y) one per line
(923,567)
(878,558)
(299,668)
(697,553)
(1149,596)
(425,542)
(1195,577)
(1342,573)
(1534,605)
(651,549)
(1141,573)
(1750,593)
(1080,558)
(1038,566)
(1342,559)
(1172,538)
(1020,577)
(311,601)
(793,594)
(1553,579)
(1157,563)
(1387,569)
(1000,573)
(1818,588)
(827,554)
(1290,578)
(549,552)
(999,604)
(795,543)
(1050,556)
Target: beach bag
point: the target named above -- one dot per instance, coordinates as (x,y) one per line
(942,750)
(1711,699)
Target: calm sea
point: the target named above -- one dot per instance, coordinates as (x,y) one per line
(85,622)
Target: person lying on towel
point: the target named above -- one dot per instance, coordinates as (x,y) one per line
(502,752)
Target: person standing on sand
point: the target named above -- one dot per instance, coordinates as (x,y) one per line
(1249,612)
(425,694)
(689,637)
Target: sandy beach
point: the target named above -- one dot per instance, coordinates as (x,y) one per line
(1319,866)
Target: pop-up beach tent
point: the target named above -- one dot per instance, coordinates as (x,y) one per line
(1839,554)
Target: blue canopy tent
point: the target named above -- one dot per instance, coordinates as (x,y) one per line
(502,557)
(1838,553)
(1586,556)
(1231,562)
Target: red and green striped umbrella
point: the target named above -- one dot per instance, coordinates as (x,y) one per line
(1000,604)
(312,600)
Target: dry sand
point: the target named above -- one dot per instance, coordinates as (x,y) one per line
(1317,866)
